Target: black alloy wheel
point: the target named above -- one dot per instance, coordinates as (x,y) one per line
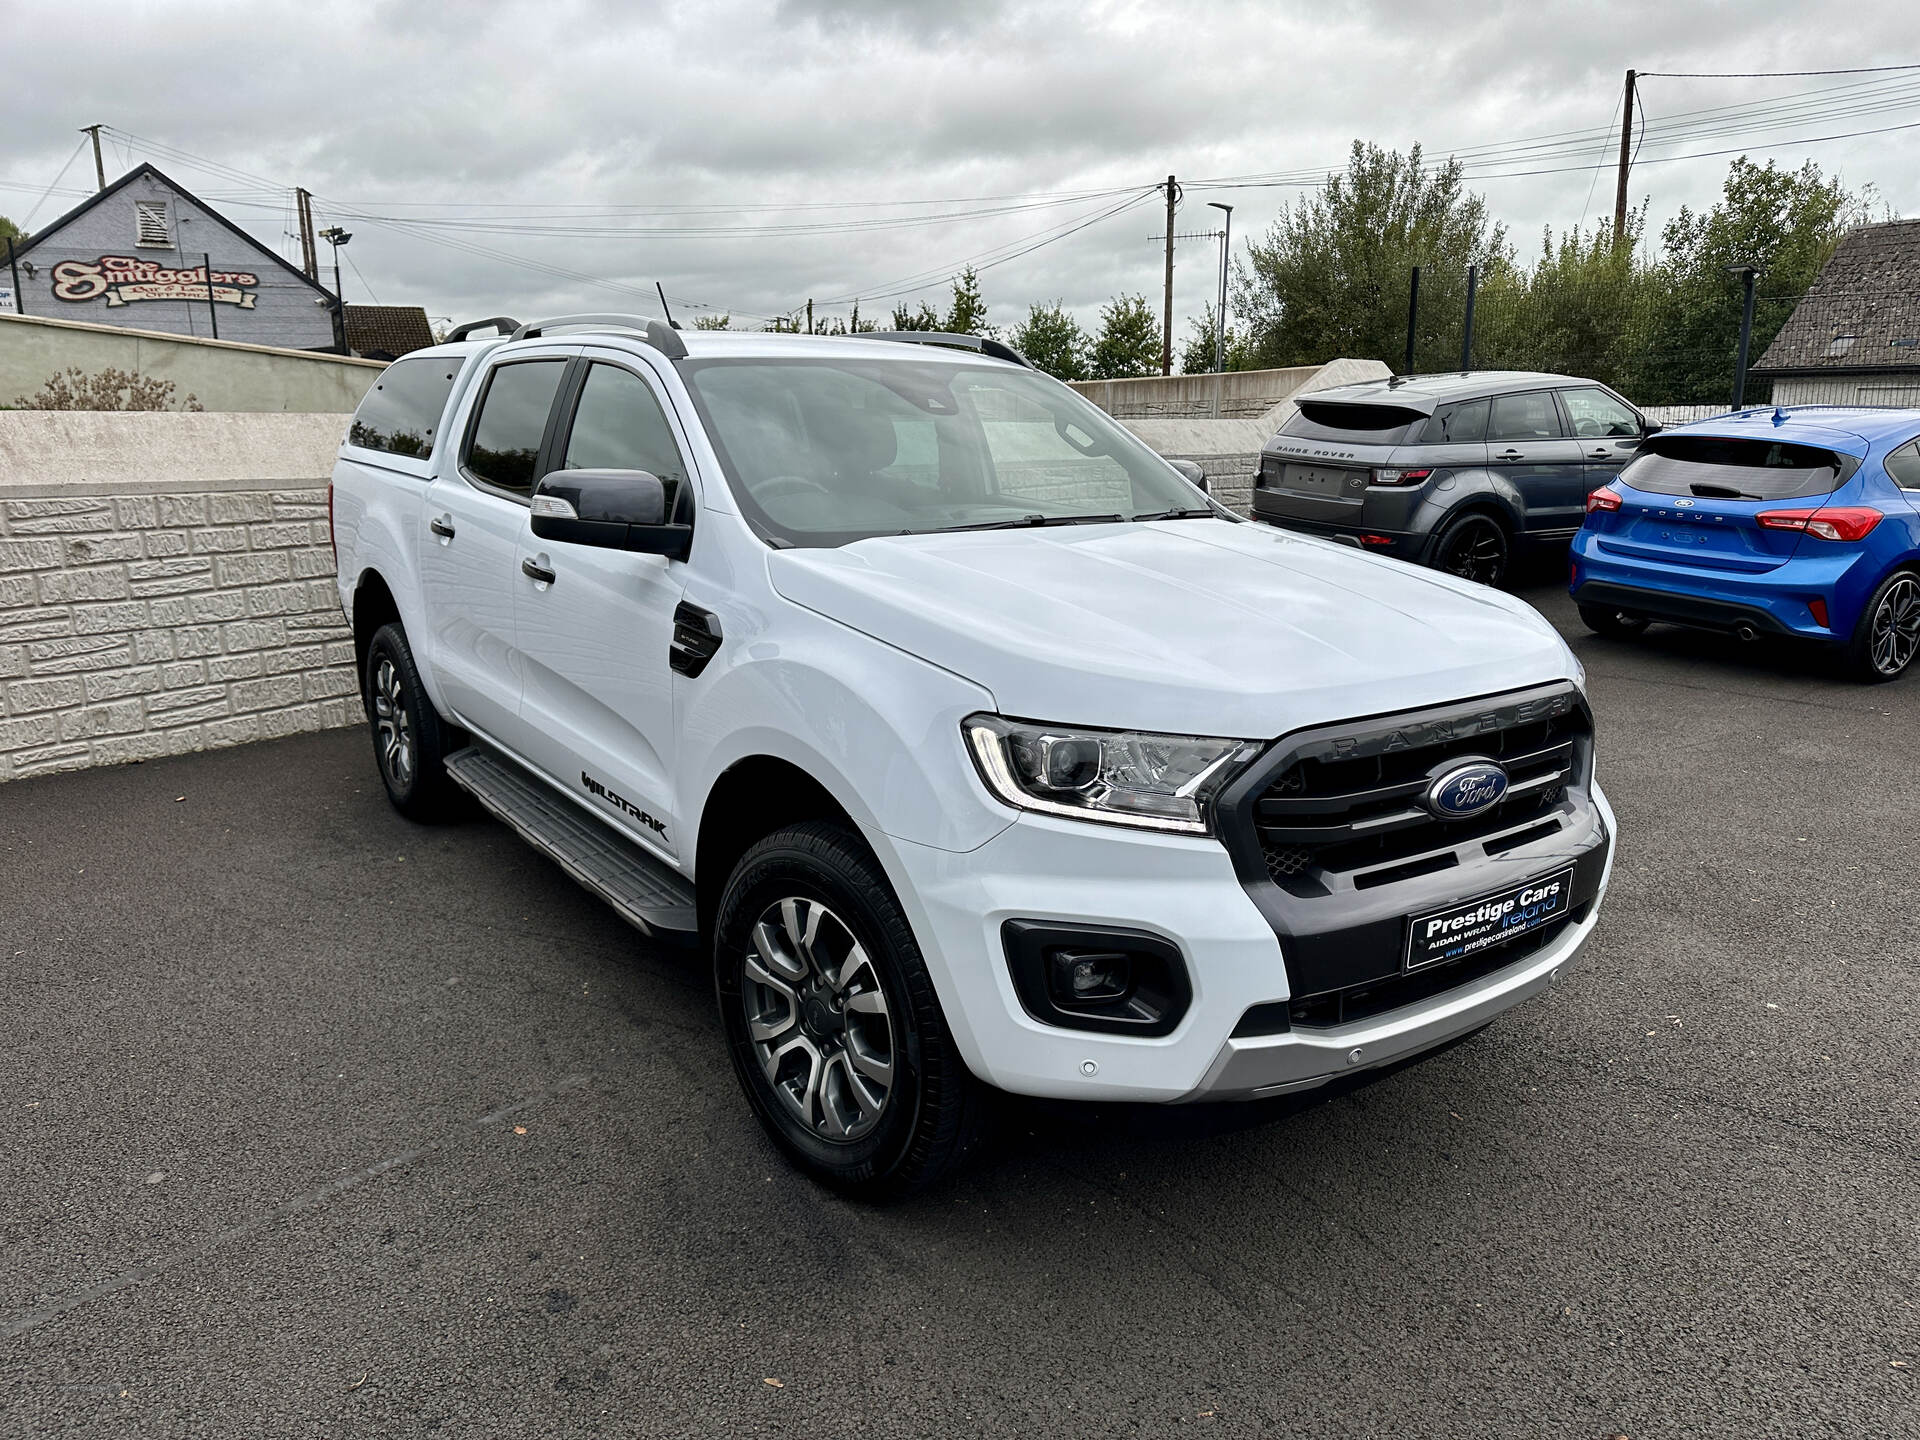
(1888,635)
(1474,547)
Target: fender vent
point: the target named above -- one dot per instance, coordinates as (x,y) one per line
(696,639)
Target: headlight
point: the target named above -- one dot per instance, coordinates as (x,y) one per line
(1118,777)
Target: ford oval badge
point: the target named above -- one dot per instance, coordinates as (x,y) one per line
(1466,789)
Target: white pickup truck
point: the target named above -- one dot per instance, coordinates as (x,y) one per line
(974,745)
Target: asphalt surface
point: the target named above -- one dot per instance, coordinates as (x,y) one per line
(313,1122)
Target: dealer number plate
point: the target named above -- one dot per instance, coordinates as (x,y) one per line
(1318,480)
(1469,929)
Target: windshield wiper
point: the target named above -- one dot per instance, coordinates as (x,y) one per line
(1036,521)
(1204,512)
(1721,492)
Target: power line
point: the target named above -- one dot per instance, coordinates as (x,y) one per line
(1767,74)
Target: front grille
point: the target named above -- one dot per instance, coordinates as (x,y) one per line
(1345,810)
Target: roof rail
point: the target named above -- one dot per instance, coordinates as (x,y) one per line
(505,324)
(660,335)
(995,349)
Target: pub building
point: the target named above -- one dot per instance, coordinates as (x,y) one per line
(138,255)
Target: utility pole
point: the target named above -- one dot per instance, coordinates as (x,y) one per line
(309,252)
(1166,322)
(99,167)
(337,237)
(1626,159)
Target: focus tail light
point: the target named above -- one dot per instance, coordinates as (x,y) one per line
(1602,499)
(1400,477)
(1839,522)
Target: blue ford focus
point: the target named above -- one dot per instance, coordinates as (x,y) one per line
(1801,522)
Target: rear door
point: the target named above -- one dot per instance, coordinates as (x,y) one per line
(1528,446)
(1696,500)
(469,541)
(1607,428)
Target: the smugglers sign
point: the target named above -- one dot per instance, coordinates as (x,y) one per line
(124,280)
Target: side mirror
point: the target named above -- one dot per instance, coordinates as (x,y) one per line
(1193,473)
(1650,427)
(611,509)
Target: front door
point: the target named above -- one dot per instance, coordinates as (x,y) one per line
(597,704)
(469,546)
(1527,446)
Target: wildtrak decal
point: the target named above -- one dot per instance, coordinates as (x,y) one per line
(621,803)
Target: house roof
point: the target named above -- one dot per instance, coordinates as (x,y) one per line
(24,248)
(1862,313)
(386,332)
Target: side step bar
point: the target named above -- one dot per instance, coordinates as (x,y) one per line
(646,892)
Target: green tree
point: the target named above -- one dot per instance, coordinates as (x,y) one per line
(10,231)
(925,318)
(713,322)
(1585,308)
(1784,223)
(1053,340)
(1128,343)
(1196,354)
(968,313)
(1330,276)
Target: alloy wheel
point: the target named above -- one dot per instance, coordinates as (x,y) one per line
(1476,550)
(1896,627)
(818,1019)
(393,725)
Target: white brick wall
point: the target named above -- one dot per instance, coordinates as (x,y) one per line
(139,625)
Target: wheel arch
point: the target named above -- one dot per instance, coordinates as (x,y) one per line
(374,605)
(749,800)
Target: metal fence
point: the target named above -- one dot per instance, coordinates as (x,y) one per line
(1663,344)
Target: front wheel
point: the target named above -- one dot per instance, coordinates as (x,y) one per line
(1474,547)
(1620,624)
(831,1018)
(1888,634)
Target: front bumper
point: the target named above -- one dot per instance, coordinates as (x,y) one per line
(1187,891)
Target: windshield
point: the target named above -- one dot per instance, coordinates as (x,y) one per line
(827,451)
(1711,467)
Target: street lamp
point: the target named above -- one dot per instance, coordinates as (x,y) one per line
(337,237)
(1220,311)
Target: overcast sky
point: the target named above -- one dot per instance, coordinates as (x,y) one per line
(434,132)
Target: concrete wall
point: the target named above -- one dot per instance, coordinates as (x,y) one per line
(165,586)
(262,301)
(222,375)
(1237,394)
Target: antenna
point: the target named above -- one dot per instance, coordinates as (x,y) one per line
(664,309)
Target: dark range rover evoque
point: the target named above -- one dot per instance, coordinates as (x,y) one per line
(1454,471)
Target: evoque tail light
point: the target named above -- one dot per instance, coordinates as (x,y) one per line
(1838,522)
(1400,477)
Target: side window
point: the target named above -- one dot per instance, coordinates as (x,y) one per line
(1904,466)
(150,228)
(618,425)
(401,412)
(1596,414)
(513,417)
(1461,424)
(1528,416)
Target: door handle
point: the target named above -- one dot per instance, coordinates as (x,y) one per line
(441,527)
(1601,455)
(536,572)
(1510,455)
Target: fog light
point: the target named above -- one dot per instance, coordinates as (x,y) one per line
(1079,976)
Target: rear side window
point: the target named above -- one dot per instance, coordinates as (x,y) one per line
(1352,424)
(512,419)
(1528,416)
(402,411)
(1904,466)
(1461,424)
(1708,466)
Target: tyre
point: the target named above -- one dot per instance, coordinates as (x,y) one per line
(1474,547)
(831,1018)
(1888,634)
(1621,624)
(410,740)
